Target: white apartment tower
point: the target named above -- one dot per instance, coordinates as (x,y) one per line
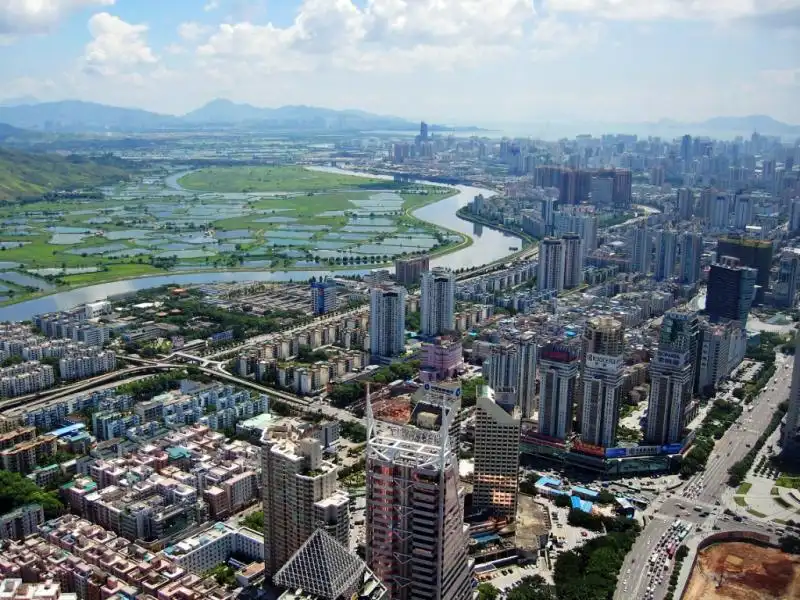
(300,494)
(670,389)
(387,321)
(497,431)
(438,301)
(559,364)
(640,250)
(573,260)
(417,542)
(551,265)
(527,351)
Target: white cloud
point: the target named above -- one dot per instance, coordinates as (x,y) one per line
(192,31)
(39,16)
(211,5)
(646,10)
(117,47)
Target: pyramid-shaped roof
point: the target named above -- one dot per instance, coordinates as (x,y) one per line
(323,567)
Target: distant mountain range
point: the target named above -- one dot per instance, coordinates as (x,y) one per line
(79,116)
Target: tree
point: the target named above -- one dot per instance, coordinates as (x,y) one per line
(530,588)
(254,520)
(486,591)
(605,497)
(16,491)
(563,501)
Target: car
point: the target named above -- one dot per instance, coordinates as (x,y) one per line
(583,534)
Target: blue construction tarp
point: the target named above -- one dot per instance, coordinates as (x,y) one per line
(62,431)
(485,538)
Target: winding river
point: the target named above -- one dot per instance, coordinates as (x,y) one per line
(488,245)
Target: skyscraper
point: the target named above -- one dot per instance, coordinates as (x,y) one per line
(416,538)
(527,355)
(691,255)
(686,150)
(501,369)
(720,212)
(680,332)
(496,477)
(785,290)
(685,204)
(730,291)
(666,254)
(640,250)
(743,212)
(299,496)
(670,392)
(601,380)
(387,321)
(551,265)
(558,367)
(790,434)
(437,302)
(409,270)
(794,215)
(573,260)
(756,254)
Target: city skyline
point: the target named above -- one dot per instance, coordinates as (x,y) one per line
(364,54)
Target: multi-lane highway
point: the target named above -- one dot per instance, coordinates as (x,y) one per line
(701,500)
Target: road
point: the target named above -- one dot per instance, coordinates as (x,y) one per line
(696,500)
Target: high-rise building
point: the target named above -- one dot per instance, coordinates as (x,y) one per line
(666,254)
(527,355)
(794,215)
(640,250)
(559,364)
(790,434)
(623,185)
(714,354)
(730,290)
(423,131)
(300,495)
(584,224)
(720,212)
(658,175)
(743,212)
(417,542)
(501,368)
(573,260)
(409,270)
(691,255)
(551,265)
(680,332)
(685,204)
(788,279)
(496,477)
(387,321)
(323,297)
(756,254)
(602,387)
(686,149)
(603,341)
(670,395)
(437,302)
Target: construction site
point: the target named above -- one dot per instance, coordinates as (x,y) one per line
(743,571)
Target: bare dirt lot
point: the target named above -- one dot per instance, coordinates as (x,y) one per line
(740,571)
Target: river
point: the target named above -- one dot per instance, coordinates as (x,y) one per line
(488,245)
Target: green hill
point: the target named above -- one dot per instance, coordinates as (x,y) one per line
(25,174)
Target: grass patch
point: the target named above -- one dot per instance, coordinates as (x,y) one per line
(274,179)
(114,272)
(756,513)
(779,521)
(740,500)
(744,488)
(788,482)
(781,502)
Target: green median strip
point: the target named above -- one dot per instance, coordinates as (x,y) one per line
(744,488)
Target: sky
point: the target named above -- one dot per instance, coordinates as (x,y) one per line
(458,62)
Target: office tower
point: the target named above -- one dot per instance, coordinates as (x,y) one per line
(680,332)
(670,395)
(409,270)
(730,291)
(720,212)
(714,353)
(527,354)
(387,321)
(559,364)
(423,131)
(496,477)
(640,250)
(691,255)
(416,538)
(323,297)
(573,260)
(767,170)
(685,204)
(686,149)
(787,281)
(666,254)
(790,434)
(603,341)
(756,254)
(551,265)
(437,302)
(743,212)
(794,215)
(300,495)
(623,182)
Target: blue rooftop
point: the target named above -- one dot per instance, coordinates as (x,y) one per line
(584,491)
(583,505)
(485,538)
(61,432)
(549,482)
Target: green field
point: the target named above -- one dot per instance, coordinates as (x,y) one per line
(275,179)
(788,482)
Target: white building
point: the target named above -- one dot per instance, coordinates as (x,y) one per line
(559,364)
(573,260)
(437,302)
(387,321)
(551,265)
(670,394)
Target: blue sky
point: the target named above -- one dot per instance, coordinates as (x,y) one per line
(455,61)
